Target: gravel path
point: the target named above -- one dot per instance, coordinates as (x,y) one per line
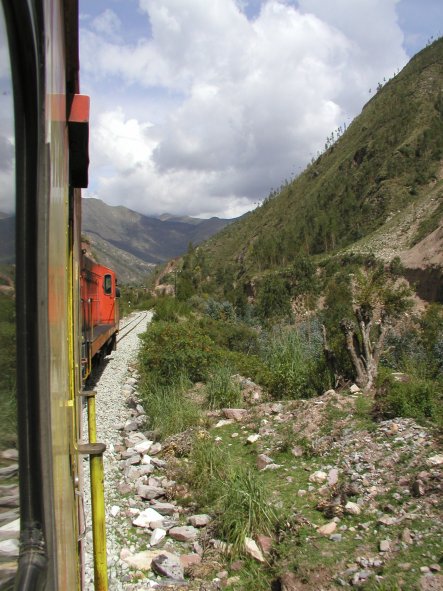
(111,412)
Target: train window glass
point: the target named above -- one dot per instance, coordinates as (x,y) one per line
(8,429)
(108,284)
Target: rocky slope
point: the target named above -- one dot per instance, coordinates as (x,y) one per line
(360,501)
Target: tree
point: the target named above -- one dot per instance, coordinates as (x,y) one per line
(378,302)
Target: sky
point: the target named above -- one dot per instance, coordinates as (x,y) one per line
(202,107)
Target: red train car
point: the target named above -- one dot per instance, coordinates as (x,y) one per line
(100,313)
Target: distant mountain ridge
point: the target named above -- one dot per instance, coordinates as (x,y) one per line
(133,243)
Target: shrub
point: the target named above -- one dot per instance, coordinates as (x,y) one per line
(235,336)
(170,309)
(221,390)
(417,398)
(273,299)
(169,349)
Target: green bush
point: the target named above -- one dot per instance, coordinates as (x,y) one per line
(169,349)
(416,398)
(221,390)
(235,336)
(170,309)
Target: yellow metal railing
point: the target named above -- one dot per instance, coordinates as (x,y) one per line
(95,451)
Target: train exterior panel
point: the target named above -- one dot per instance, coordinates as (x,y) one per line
(100,313)
(53,284)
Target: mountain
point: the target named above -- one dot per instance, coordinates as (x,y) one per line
(133,244)
(377,188)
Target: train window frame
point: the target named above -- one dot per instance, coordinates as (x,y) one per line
(107,284)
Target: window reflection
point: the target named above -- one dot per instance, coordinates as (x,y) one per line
(8,433)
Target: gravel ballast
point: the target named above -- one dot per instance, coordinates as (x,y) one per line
(112,412)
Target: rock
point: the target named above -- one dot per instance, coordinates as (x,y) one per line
(319,477)
(10,454)
(327,529)
(184,533)
(141,560)
(253,550)
(223,423)
(435,460)
(168,565)
(265,543)
(329,393)
(277,408)
(387,520)
(336,537)
(272,467)
(146,517)
(236,414)
(8,471)
(9,548)
(253,438)
(143,446)
(263,461)
(130,426)
(385,546)
(150,492)
(431,583)
(332,477)
(297,451)
(164,508)
(352,508)
(406,536)
(435,568)
(133,460)
(157,536)
(155,449)
(124,488)
(199,520)
(115,510)
(188,560)
(418,488)
(354,389)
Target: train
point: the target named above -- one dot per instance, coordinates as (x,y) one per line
(66,305)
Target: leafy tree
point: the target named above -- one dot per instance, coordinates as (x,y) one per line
(273,298)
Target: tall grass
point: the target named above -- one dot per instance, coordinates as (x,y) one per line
(244,508)
(295,361)
(221,390)
(170,411)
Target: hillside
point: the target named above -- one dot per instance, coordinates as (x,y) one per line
(378,188)
(133,243)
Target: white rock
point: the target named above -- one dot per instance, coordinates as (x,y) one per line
(352,508)
(115,510)
(354,389)
(223,423)
(318,476)
(143,446)
(253,438)
(435,460)
(253,550)
(157,536)
(146,516)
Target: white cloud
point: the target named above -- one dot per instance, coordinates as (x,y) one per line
(253,99)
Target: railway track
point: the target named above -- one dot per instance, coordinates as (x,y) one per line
(131,325)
